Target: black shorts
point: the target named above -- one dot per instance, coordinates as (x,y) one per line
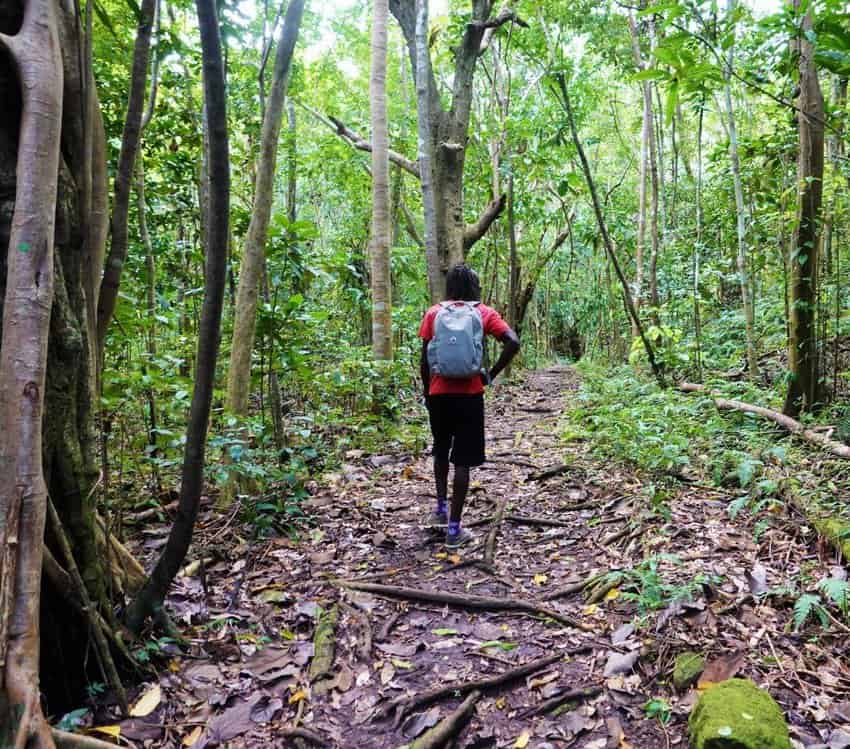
(457,423)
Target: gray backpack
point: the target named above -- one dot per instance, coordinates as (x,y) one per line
(457,348)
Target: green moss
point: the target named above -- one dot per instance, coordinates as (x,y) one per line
(688,667)
(736,714)
(324,646)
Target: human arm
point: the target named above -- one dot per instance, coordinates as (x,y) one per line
(424,370)
(510,347)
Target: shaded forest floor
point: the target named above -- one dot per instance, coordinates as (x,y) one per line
(690,579)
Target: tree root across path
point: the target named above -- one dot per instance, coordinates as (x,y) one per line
(449,727)
(582,693)
(464,601)
(405,705)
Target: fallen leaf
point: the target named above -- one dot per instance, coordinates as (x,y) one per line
(344,679)
(416,724)
(114,731)
(721,669)
(297,696)
(454,558)
(403,651)
(522,740)
(387,673)
(621,634)
(543,680)
(620,663)
(147,703)
(265,709)
(757,579)
(399,663)
(540,578)
(498,644)
(191,738)
(590,610)
(501,703)
(444,631)
(612,594)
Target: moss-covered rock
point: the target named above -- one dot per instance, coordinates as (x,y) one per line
(736,714)
(687,669)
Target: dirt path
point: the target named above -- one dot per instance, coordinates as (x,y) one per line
(248,679)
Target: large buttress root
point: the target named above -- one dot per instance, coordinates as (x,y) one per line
(37,57)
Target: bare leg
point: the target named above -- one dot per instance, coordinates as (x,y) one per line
(460,486)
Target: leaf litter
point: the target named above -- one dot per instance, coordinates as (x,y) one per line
(694,578)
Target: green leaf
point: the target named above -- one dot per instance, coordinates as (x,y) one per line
(444,632)
(498,644)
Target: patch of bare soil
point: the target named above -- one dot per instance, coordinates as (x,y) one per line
(364,632)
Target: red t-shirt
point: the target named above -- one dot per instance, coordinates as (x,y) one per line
(493,325)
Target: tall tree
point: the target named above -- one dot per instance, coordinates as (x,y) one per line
(382,333)
(447,130)
(150,599)
(130,140)
(23,360)
(740,210)
(239,373)
(803,385)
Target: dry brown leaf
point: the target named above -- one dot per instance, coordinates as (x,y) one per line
(191,738)
(147,703)
(721,669)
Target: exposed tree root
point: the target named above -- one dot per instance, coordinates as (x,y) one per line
(583,693)
(601,587)
(464,601)
(492,536)
(302,733)
(548,473)
(104,654)
(65,740)
(535,520)
(405,705)
(573,588)
(449,727)
(786,422)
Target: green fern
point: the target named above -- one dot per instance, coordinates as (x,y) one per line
(809,604)
(837,591)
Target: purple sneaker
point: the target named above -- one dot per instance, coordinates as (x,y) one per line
(463,536)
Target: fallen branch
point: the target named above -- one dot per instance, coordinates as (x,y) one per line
(786,422)
(463,601)
(582,693)
(449,727)
(384,633)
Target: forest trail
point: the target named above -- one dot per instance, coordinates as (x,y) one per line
(248,678)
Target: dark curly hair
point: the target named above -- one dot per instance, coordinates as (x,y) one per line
(462,284)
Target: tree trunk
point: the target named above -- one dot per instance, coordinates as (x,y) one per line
(150,599)
(124,175)
(239,373)
(443,135)
(740,212)
(382,334)
(803,385)
(423,75)
(28,299)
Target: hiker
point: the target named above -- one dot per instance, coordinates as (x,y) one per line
(454,378)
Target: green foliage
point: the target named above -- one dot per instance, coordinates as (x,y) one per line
(658,708)
(651,590)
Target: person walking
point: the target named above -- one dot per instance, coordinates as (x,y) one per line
(453,377)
